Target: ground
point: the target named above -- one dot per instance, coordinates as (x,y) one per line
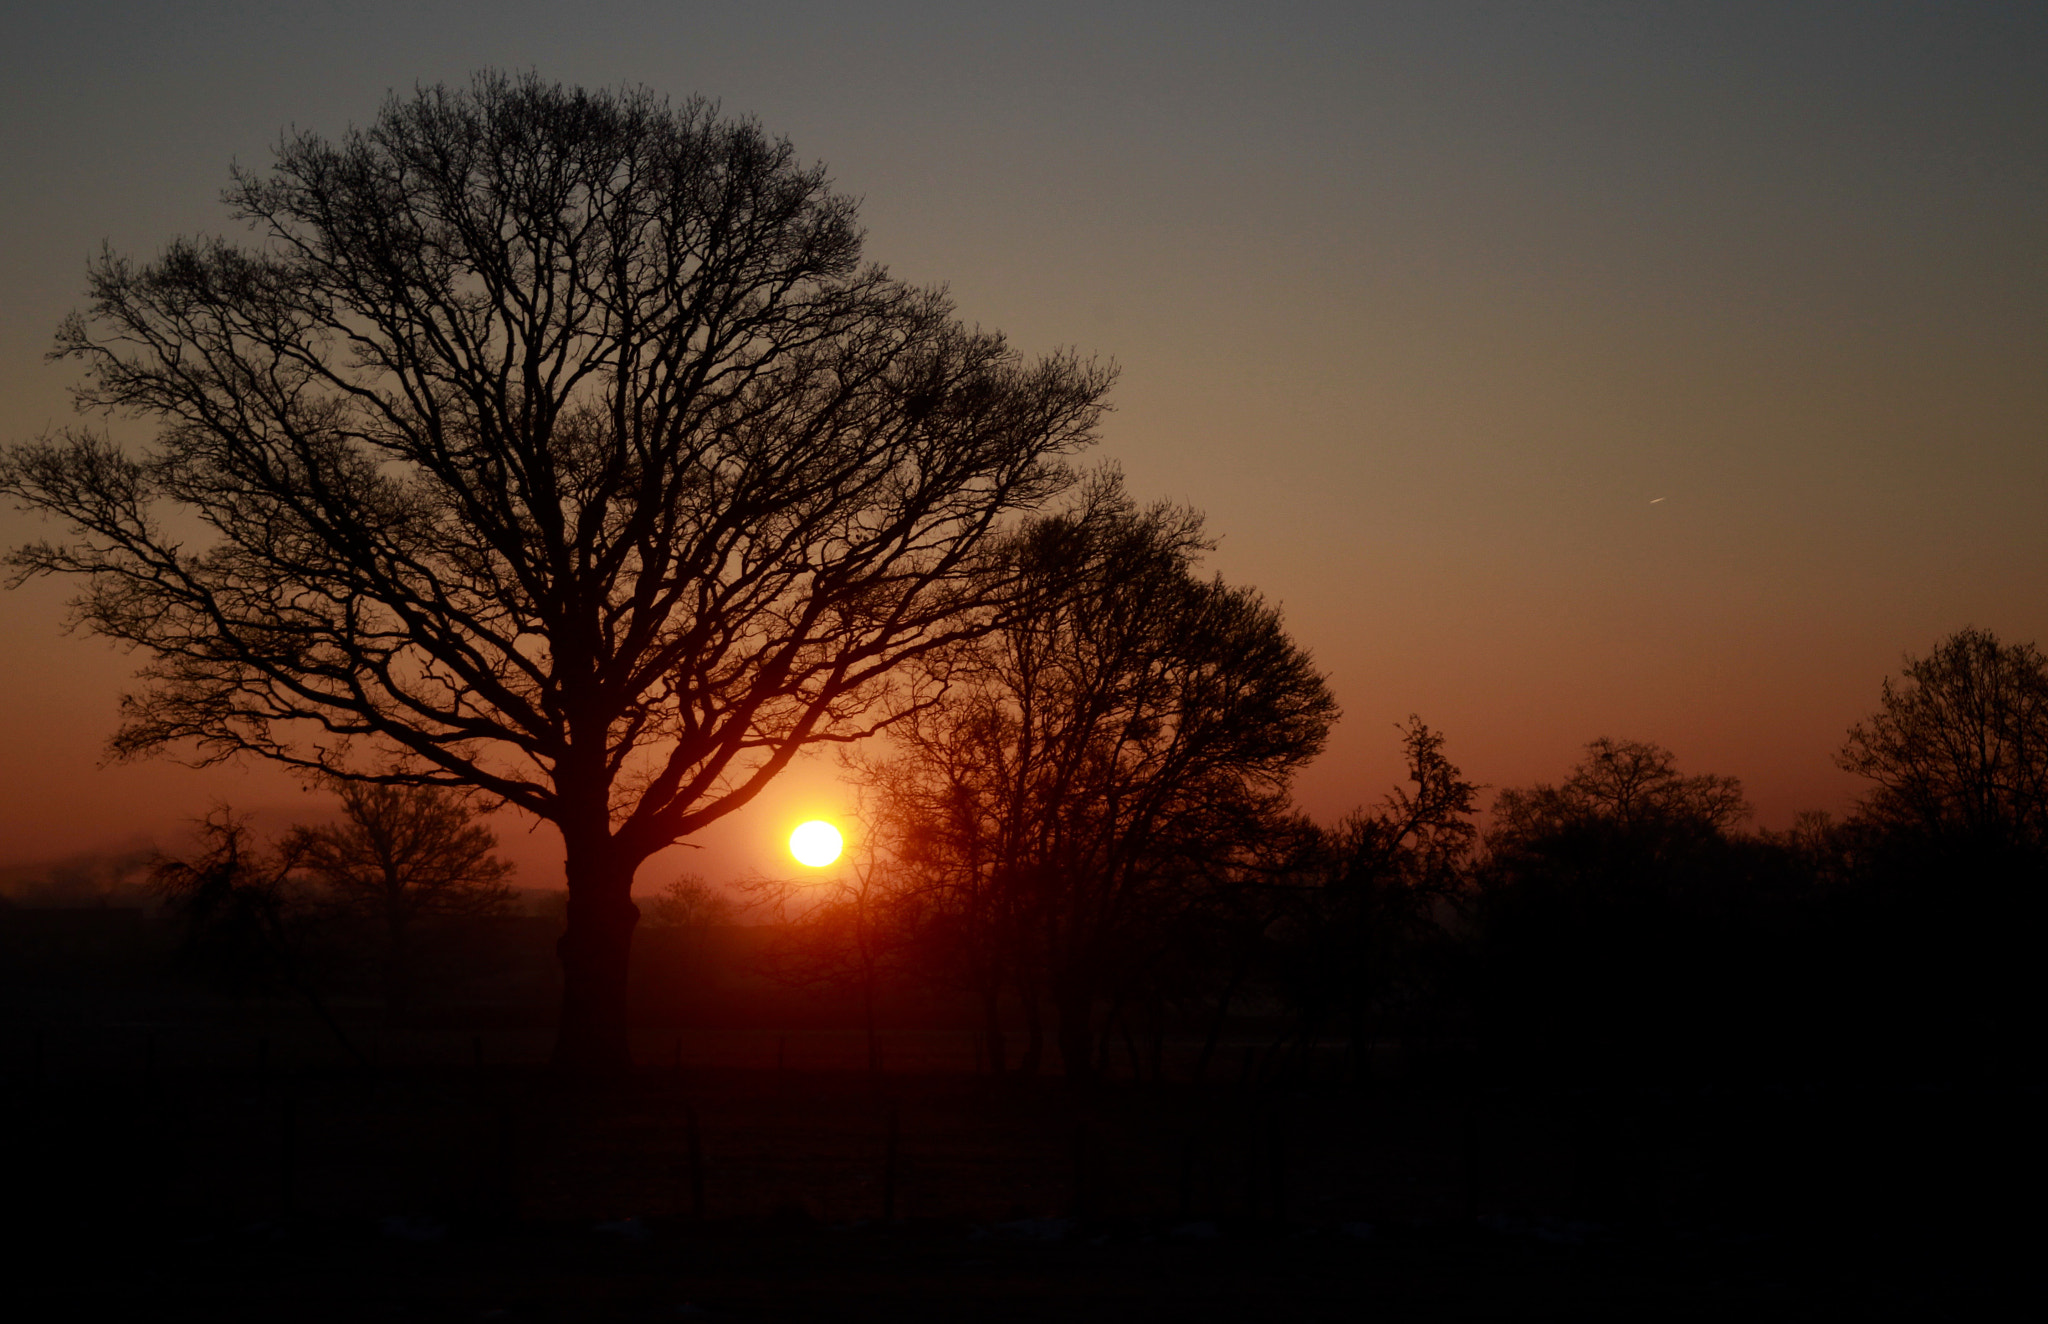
(260,1184)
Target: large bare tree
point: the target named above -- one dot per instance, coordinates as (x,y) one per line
(557,443)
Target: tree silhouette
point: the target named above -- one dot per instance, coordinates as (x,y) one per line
(1598,903)
(1953,857)
(689,906)
(1099,757)
(1960,746)
(555,442)
(1624,786)
(1369,922)
(251,927)
(400,854)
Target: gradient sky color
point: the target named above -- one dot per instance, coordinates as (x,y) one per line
(1564,370)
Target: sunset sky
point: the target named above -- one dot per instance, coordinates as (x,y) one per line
(1661,371)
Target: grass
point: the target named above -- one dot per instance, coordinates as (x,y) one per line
(205,1178)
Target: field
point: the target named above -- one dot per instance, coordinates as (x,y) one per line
(216,1173)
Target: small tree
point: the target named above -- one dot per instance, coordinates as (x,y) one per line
(842,932)
(1601,903)
(690,950)
(557,442)
(399,855)
(1103,754)
(1625,786)
(1384,884)
(1958,748)
(690,906)
(1954,864)
(250,925)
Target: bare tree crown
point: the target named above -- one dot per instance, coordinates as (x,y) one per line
(558,443)
(1960,742)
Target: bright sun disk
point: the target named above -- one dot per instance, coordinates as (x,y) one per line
(815,843)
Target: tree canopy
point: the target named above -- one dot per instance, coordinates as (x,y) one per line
(398,855)
(1621,786)
(1099,758)
(1959,744)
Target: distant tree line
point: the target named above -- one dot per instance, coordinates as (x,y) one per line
(1080,843)
(1624,922)
(297,918)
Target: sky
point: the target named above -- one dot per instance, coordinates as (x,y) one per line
(1658,371)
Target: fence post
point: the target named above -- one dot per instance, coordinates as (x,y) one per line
(889,1166)
(1084,1174)
(1249,1156)
(1472,1161)
(507,1197)
(288,1154)
(1276,1158)
(696,1163)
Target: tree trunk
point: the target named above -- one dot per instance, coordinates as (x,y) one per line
(397,974)
(867,1011)
(1074,1009)
(1131,1051)
(591,1039)
(992,1030)
(319,1006)
(1034,1030)
(1103,1041)
(1361,1044)
(1216,1022)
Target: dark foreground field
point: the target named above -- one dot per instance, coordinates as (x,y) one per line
(228,1181)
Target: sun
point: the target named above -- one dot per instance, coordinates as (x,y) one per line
(815,843)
